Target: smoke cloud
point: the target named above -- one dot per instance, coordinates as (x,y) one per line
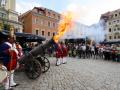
(95,32)
(79,30)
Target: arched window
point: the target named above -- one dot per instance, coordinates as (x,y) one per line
(43,33)
(48,24)
(36,32)
(53,34)
(48,33)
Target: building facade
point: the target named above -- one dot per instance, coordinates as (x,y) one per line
(10,4)
(112,25)
(8,15)
(40,21)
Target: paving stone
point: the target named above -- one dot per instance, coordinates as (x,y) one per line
(77,74)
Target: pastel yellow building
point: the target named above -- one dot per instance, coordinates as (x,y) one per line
(112,26)
(8,15)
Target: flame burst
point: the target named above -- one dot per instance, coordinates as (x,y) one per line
(64,25)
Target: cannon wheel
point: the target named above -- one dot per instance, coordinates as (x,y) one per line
(33,69)
(44,63)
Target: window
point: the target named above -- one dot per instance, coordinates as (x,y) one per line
(114,37)
(48,14)
(48,24)
(36,32)
(40,12)
(58,17)
(53,24)
(35,20)
(110,37)
(114,29)
(2,15)
(115,15)
(116,25)
(119,37)
(41,22)
(109,29)
(114,21)
(118,29)
(43,33)
(109,23)
(54,15)
(48,33)
(117,21)
(16,30)
(53,34)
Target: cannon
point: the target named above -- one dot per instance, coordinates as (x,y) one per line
(35,62)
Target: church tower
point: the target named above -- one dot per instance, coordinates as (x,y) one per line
(10,5)
(9,15)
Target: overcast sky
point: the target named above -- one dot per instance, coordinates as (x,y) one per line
(89,11)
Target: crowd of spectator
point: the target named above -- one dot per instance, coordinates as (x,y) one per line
(96,51)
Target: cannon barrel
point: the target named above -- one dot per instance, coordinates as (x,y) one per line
(39,50)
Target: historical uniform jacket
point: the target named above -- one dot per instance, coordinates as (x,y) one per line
(9,55)
(65,51)
(59,52)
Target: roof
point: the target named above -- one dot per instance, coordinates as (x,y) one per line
(111,42)
(28,37)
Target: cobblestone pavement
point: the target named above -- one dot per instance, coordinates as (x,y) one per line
(77,74)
